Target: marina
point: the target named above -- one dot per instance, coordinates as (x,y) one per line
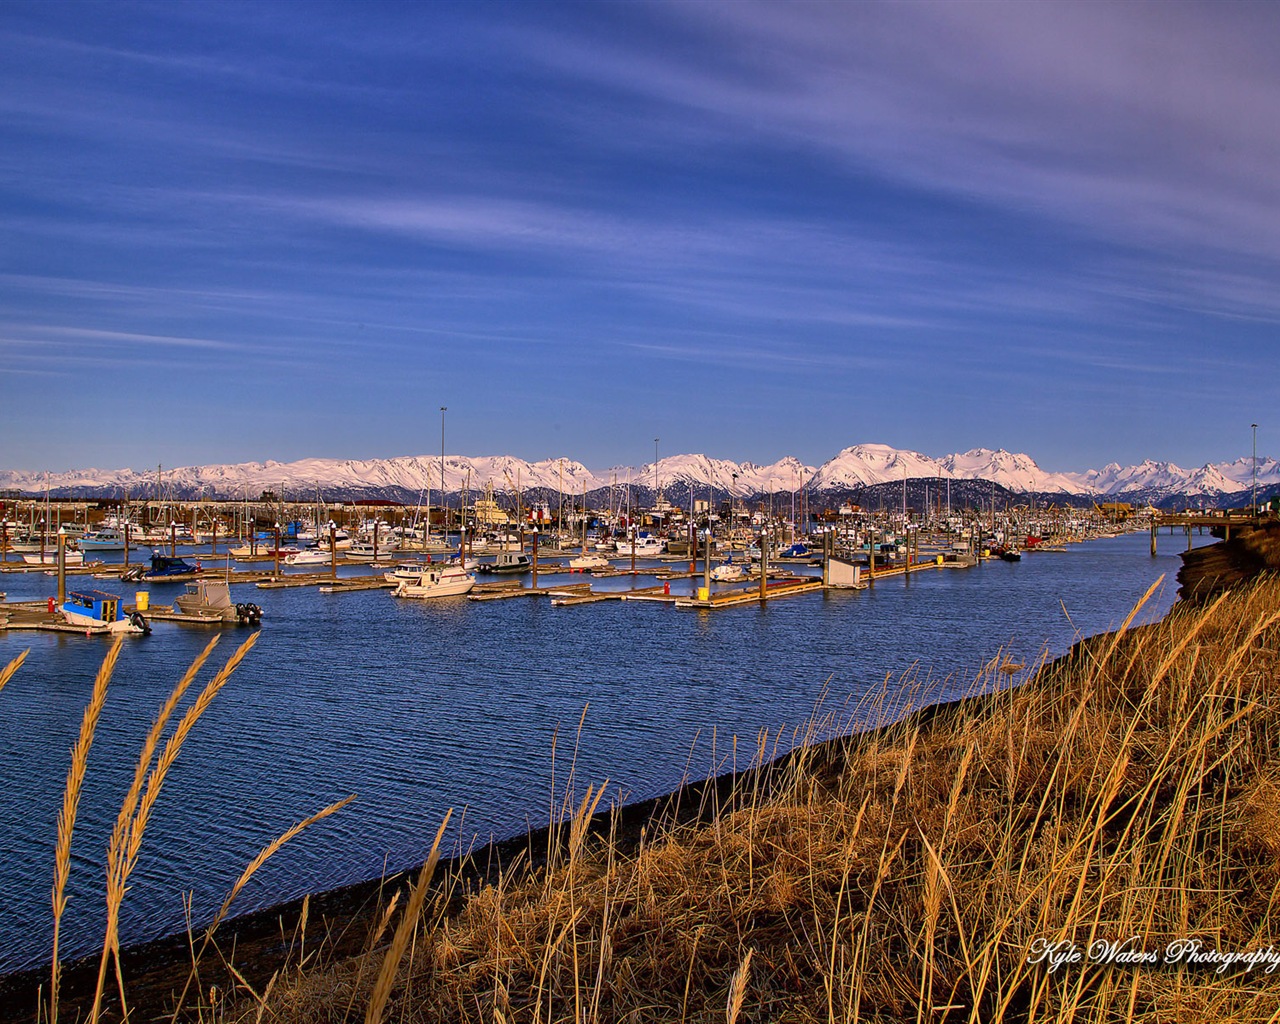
(462,703)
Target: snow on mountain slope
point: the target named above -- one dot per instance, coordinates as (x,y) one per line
(1017,472)
(864,464)
(856,466)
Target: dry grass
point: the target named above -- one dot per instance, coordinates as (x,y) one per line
(131,822)
(1129,793)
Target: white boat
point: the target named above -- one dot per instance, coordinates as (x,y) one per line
(95,609)
(50,557)
(309,556)
(728,572)
(263,552)
(341,540)
(646,545)
(105,539)
(411,572)
(437,581)
(211,599)
(30,542)
(589,562)
(367,551)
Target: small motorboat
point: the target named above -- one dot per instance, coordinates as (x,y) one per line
(643,545)
(105,539)
(309,556)
(509,562)
(164,569)
(583,562)
(97,609)
(211,599)
(436,581)
(367,551)
(728,572)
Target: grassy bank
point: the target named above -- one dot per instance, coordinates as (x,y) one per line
(1119,800)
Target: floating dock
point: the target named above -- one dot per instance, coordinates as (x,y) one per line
(788,587)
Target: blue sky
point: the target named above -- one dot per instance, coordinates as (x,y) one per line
(234,232)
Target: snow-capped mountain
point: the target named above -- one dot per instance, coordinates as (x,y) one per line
(868,464)
(1168,478)
(862,465)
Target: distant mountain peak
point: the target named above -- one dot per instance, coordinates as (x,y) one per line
(859,465)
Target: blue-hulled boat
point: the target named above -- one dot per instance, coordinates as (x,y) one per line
(97,609)
(166,569)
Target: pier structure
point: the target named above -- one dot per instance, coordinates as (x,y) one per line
(1189,521)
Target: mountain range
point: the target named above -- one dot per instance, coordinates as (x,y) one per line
(407,478)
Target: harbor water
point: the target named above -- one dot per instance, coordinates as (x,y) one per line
(483,707)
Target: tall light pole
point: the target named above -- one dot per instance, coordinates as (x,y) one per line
(1253,500)
(444,508)
(655,470)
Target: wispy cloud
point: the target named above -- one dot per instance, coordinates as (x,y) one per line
(1141,121)
(42,334)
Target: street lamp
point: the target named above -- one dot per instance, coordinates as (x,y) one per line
(444,508)
(655,470)
(1253,500)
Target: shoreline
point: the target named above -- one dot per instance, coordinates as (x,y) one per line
(258,942)
(155,971)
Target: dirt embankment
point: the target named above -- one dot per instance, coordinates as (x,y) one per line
(1250,552)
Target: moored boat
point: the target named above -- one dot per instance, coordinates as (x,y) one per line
(728,572)
(507,562)
(367,551)
(50,557)
(436,581)
(164,569)
(588,562)
(97,609)
(644,545)
(105,539)
(308,556)
(211,599)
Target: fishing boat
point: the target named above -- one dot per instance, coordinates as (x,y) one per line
(411,572)
(164,569)
(436,581)
(211,599)
(30,542)
(507,562)
(97,609)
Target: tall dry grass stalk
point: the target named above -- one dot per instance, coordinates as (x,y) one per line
(263,855)
(408,925)
(7,672)
(135,810)
(70,805)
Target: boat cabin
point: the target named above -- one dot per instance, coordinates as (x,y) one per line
(94,604)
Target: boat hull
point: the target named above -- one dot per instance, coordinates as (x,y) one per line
(51,558)
(436,583)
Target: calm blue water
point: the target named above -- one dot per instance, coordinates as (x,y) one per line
(419,707)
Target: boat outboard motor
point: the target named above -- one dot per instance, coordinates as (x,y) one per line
(248,614)
(139,620)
